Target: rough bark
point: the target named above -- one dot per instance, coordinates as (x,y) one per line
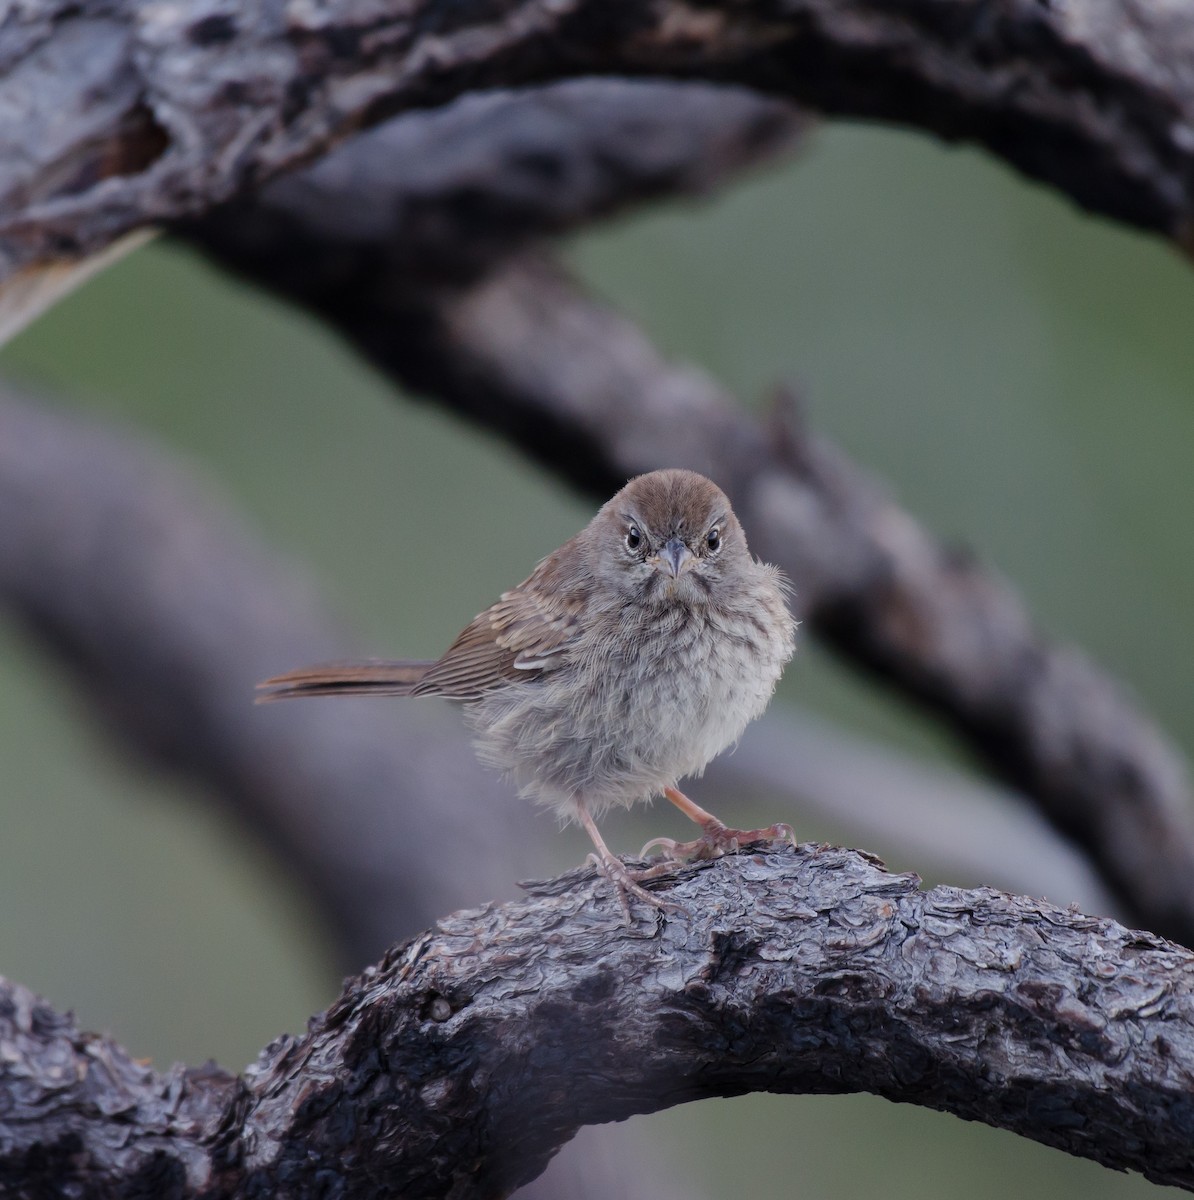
(461,1063)
(135,112)
(1072,1031)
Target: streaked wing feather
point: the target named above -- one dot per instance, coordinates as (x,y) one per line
(518,638)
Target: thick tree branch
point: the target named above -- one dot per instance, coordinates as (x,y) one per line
(137,112)
(453,190)
(461,1063)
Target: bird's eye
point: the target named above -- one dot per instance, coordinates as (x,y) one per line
(634,539)
(713,539)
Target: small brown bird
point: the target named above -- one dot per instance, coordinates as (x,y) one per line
(629,658)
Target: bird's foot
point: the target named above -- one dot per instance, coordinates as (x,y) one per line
(626,884)
(718,839)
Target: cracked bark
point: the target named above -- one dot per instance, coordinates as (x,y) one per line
(146,113)
(461,1062)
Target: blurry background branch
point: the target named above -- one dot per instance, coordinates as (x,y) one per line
(805,970)
(148,112)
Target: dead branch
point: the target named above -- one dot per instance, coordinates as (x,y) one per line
(455,189)
(167,611)
(1126,160)
(469,1055)
(138,113)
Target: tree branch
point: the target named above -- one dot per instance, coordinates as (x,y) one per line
(464,1060)
(138,112)
(453,190)
(167,612)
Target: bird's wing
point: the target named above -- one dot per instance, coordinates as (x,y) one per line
(521,636)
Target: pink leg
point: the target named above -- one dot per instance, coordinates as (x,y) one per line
(625,882)
(716,839)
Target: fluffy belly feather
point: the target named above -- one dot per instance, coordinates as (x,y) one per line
(584,734)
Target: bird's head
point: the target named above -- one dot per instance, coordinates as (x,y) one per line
(668,537)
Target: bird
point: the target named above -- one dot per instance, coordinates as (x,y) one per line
(625,662)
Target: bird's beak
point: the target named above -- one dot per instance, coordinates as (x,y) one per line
(674,559)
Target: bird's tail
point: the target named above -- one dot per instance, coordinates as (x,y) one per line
(373,677)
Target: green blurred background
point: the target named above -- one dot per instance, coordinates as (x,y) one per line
(1018,372)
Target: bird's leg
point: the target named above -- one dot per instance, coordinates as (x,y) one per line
(716,838)
(624,881)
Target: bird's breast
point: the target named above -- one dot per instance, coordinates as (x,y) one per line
(638,701)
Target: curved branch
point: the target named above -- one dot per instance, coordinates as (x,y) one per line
(469,1055)
(453,190)
(135,112)
(167,611)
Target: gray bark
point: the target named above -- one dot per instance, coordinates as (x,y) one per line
(461,1062)
(133,112)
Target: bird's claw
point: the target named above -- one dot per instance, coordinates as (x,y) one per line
(626,884)
(717,840)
